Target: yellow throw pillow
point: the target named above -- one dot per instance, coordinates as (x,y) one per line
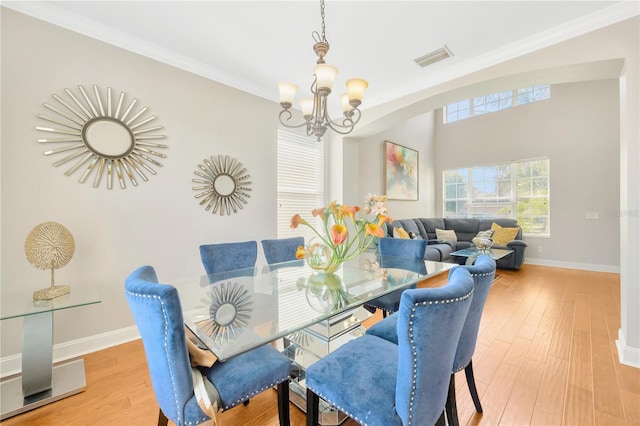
(400,233)
(446,235)
(501,236)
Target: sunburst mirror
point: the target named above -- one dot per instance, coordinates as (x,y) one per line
(98,134)
(229,310)
(225,184)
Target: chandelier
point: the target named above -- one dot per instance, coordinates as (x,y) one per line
(314,110)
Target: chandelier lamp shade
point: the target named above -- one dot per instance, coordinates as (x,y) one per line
(315,109)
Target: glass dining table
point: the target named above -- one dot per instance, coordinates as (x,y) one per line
(305,313)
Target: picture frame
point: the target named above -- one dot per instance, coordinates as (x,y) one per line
(401,172)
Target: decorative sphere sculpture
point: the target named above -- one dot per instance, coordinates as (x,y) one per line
(49,246)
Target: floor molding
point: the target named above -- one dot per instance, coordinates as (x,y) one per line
(627,354)
(574,265)
(12,364)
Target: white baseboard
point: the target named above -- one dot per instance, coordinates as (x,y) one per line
(11,365)
(573,265)
(627,354)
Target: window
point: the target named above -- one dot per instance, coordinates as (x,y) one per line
(300,181)
(458,111)
(495,102)
(518,190)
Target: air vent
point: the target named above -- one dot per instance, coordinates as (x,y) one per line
(435,56)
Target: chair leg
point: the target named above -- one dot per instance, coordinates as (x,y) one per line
(162,419)
(283,403)
(441,421)
(384,313)
(313,402)
(245,403)
(471,381)
(451,407)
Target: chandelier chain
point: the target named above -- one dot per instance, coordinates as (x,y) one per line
(324,36)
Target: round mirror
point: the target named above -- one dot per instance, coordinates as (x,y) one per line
(108,138)
(104,136)
(225,314)
(224,185)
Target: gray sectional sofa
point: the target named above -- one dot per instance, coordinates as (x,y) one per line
(465,229)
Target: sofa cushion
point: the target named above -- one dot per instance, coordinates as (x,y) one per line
(505,223)
(466,228)
(429,226)
(502,236)
(400,233)
(445,251)
(446,235)
(408,225)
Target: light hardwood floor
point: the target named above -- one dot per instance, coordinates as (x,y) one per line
(546,355)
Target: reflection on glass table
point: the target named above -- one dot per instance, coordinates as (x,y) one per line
(472,254)
(315,313)
(40,382)
(235,312)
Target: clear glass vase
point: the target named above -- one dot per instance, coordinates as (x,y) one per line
(321,257)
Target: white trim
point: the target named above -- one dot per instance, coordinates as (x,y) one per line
(12,364)
(627,354)
(54,15)
(574,265)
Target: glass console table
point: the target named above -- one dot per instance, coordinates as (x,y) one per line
(311,313)
(41,382)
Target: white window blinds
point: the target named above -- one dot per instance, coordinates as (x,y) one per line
(300,181)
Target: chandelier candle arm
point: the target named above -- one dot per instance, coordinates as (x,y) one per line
(315,110)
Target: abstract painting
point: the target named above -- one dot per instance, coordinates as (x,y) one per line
(401,172)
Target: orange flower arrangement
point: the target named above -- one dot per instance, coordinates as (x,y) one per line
(343,236)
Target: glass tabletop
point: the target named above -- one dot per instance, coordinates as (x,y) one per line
(495,254)
(237,311)
(20,303)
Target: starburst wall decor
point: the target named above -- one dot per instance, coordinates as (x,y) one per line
(229,310)
(102,136)
(225,184)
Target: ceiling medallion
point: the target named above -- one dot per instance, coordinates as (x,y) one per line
(103,136)
(225,184)
(315,110)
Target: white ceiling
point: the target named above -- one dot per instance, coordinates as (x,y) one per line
(252,45)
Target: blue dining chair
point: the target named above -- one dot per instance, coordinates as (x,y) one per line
(483,273)
(396,248)
(377,382)
(281,249)
(225,257)
(158,314)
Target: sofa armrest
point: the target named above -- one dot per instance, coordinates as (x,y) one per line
(516,243)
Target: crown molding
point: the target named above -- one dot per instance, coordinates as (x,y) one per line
(52,14)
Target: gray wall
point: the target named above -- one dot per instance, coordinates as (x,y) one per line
(159,222)
(578,129)
(416,133)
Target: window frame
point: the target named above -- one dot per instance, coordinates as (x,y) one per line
(513,201)
(477,107)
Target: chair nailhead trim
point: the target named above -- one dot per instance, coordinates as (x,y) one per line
(248,396)
(166,345)
(415,361)
(354,417)
(234,403)
(414,348)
